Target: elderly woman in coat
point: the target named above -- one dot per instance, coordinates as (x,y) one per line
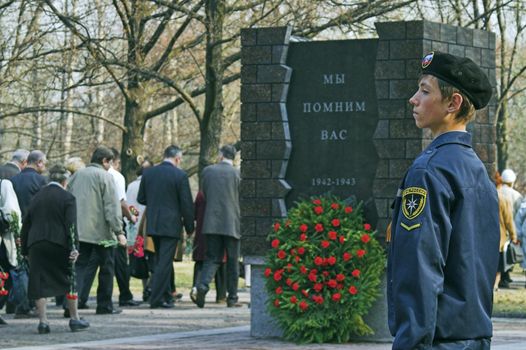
(50,240)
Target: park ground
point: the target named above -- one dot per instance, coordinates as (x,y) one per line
(215,326)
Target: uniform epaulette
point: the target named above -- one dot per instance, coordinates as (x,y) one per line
(423,159)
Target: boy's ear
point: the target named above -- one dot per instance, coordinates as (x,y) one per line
(455,102)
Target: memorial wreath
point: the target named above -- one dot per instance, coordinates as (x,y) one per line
(323,271)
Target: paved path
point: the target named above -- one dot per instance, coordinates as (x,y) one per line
(186,327)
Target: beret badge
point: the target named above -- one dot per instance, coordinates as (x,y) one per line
(426,61)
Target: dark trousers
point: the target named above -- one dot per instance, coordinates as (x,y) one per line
(219,279)
(163,267)
(122,273)
(93,256)
(216,245)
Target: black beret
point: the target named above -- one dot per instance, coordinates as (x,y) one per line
(228,151)
(460,72)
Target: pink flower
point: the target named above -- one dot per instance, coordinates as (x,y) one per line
(335,222)
(331,260)
(360,253)
(348,210)
(304,306)
(275,243)
(295,286)
(301,250)
(318,210)
(367,227)
(356,273)
(303,228)
(279,290)
(325,244)
(268,272)
(335,206)
(353,290)
(318,227)
(277,276)
(340,277)
(293,299)
(282,254)
(318,287)
(318,260)
(332,283)
(347,256)
(332,235)
(303,237)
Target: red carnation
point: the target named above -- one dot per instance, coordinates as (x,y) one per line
(365,238)
(312,277)
(303,237)
(335,206)
(367,227)
(304,306)
(314,271)
(318,300)
(318,287)
(275,243)
(335,222)
(276,226)
(277,276)
(340,286)
(318,260)
(303,228)
(342,239)
(316,201)
(288,282)
(282,254)
(305,293)
(279,290)
(356,273)
(293,299)
(333,235)
(295,286)
(289,267)
(318,227)
(301,250)
(325,273)
(336,297)
(276,302)
(347,256)
(297,259)
(348,210)
(268,272)
(340,277)
(318,210)
(293,251)
(331,260)
(325,244)
(360,253)
(353,290)
(332,283)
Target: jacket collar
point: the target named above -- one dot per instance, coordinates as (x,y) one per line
(459,137)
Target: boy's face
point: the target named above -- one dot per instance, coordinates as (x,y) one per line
(429,109)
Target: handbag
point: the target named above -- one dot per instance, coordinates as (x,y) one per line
(139,267)
(20,281)
(514,254)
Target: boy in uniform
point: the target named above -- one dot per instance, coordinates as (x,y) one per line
(444,249)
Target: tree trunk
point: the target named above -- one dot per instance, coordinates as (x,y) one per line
(132,140)
(502,132)
(212,122)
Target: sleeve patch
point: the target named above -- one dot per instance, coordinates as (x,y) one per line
(409,228)
(413,202)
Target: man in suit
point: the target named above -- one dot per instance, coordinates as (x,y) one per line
(220,186)
(26,184)
(165,191)
(15,165)
(99,219)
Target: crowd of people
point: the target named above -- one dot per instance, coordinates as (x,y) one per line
(77,221)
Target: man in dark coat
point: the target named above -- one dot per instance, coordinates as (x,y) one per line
(220,185)
(26,184)
(15,165)
(165,191)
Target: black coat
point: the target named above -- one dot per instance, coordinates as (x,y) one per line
(51,216)
(26,184)
(165,191)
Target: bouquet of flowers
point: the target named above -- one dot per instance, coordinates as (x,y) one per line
(323,271)
(3,277)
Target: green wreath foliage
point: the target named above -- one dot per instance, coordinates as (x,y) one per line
(323,271)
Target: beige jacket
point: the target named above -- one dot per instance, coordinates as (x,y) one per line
(505,220)
(99,215)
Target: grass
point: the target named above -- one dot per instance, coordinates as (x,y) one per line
(511,302)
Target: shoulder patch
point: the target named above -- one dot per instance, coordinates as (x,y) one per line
(413,202)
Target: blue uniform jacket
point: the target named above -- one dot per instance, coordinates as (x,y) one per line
(444,249)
